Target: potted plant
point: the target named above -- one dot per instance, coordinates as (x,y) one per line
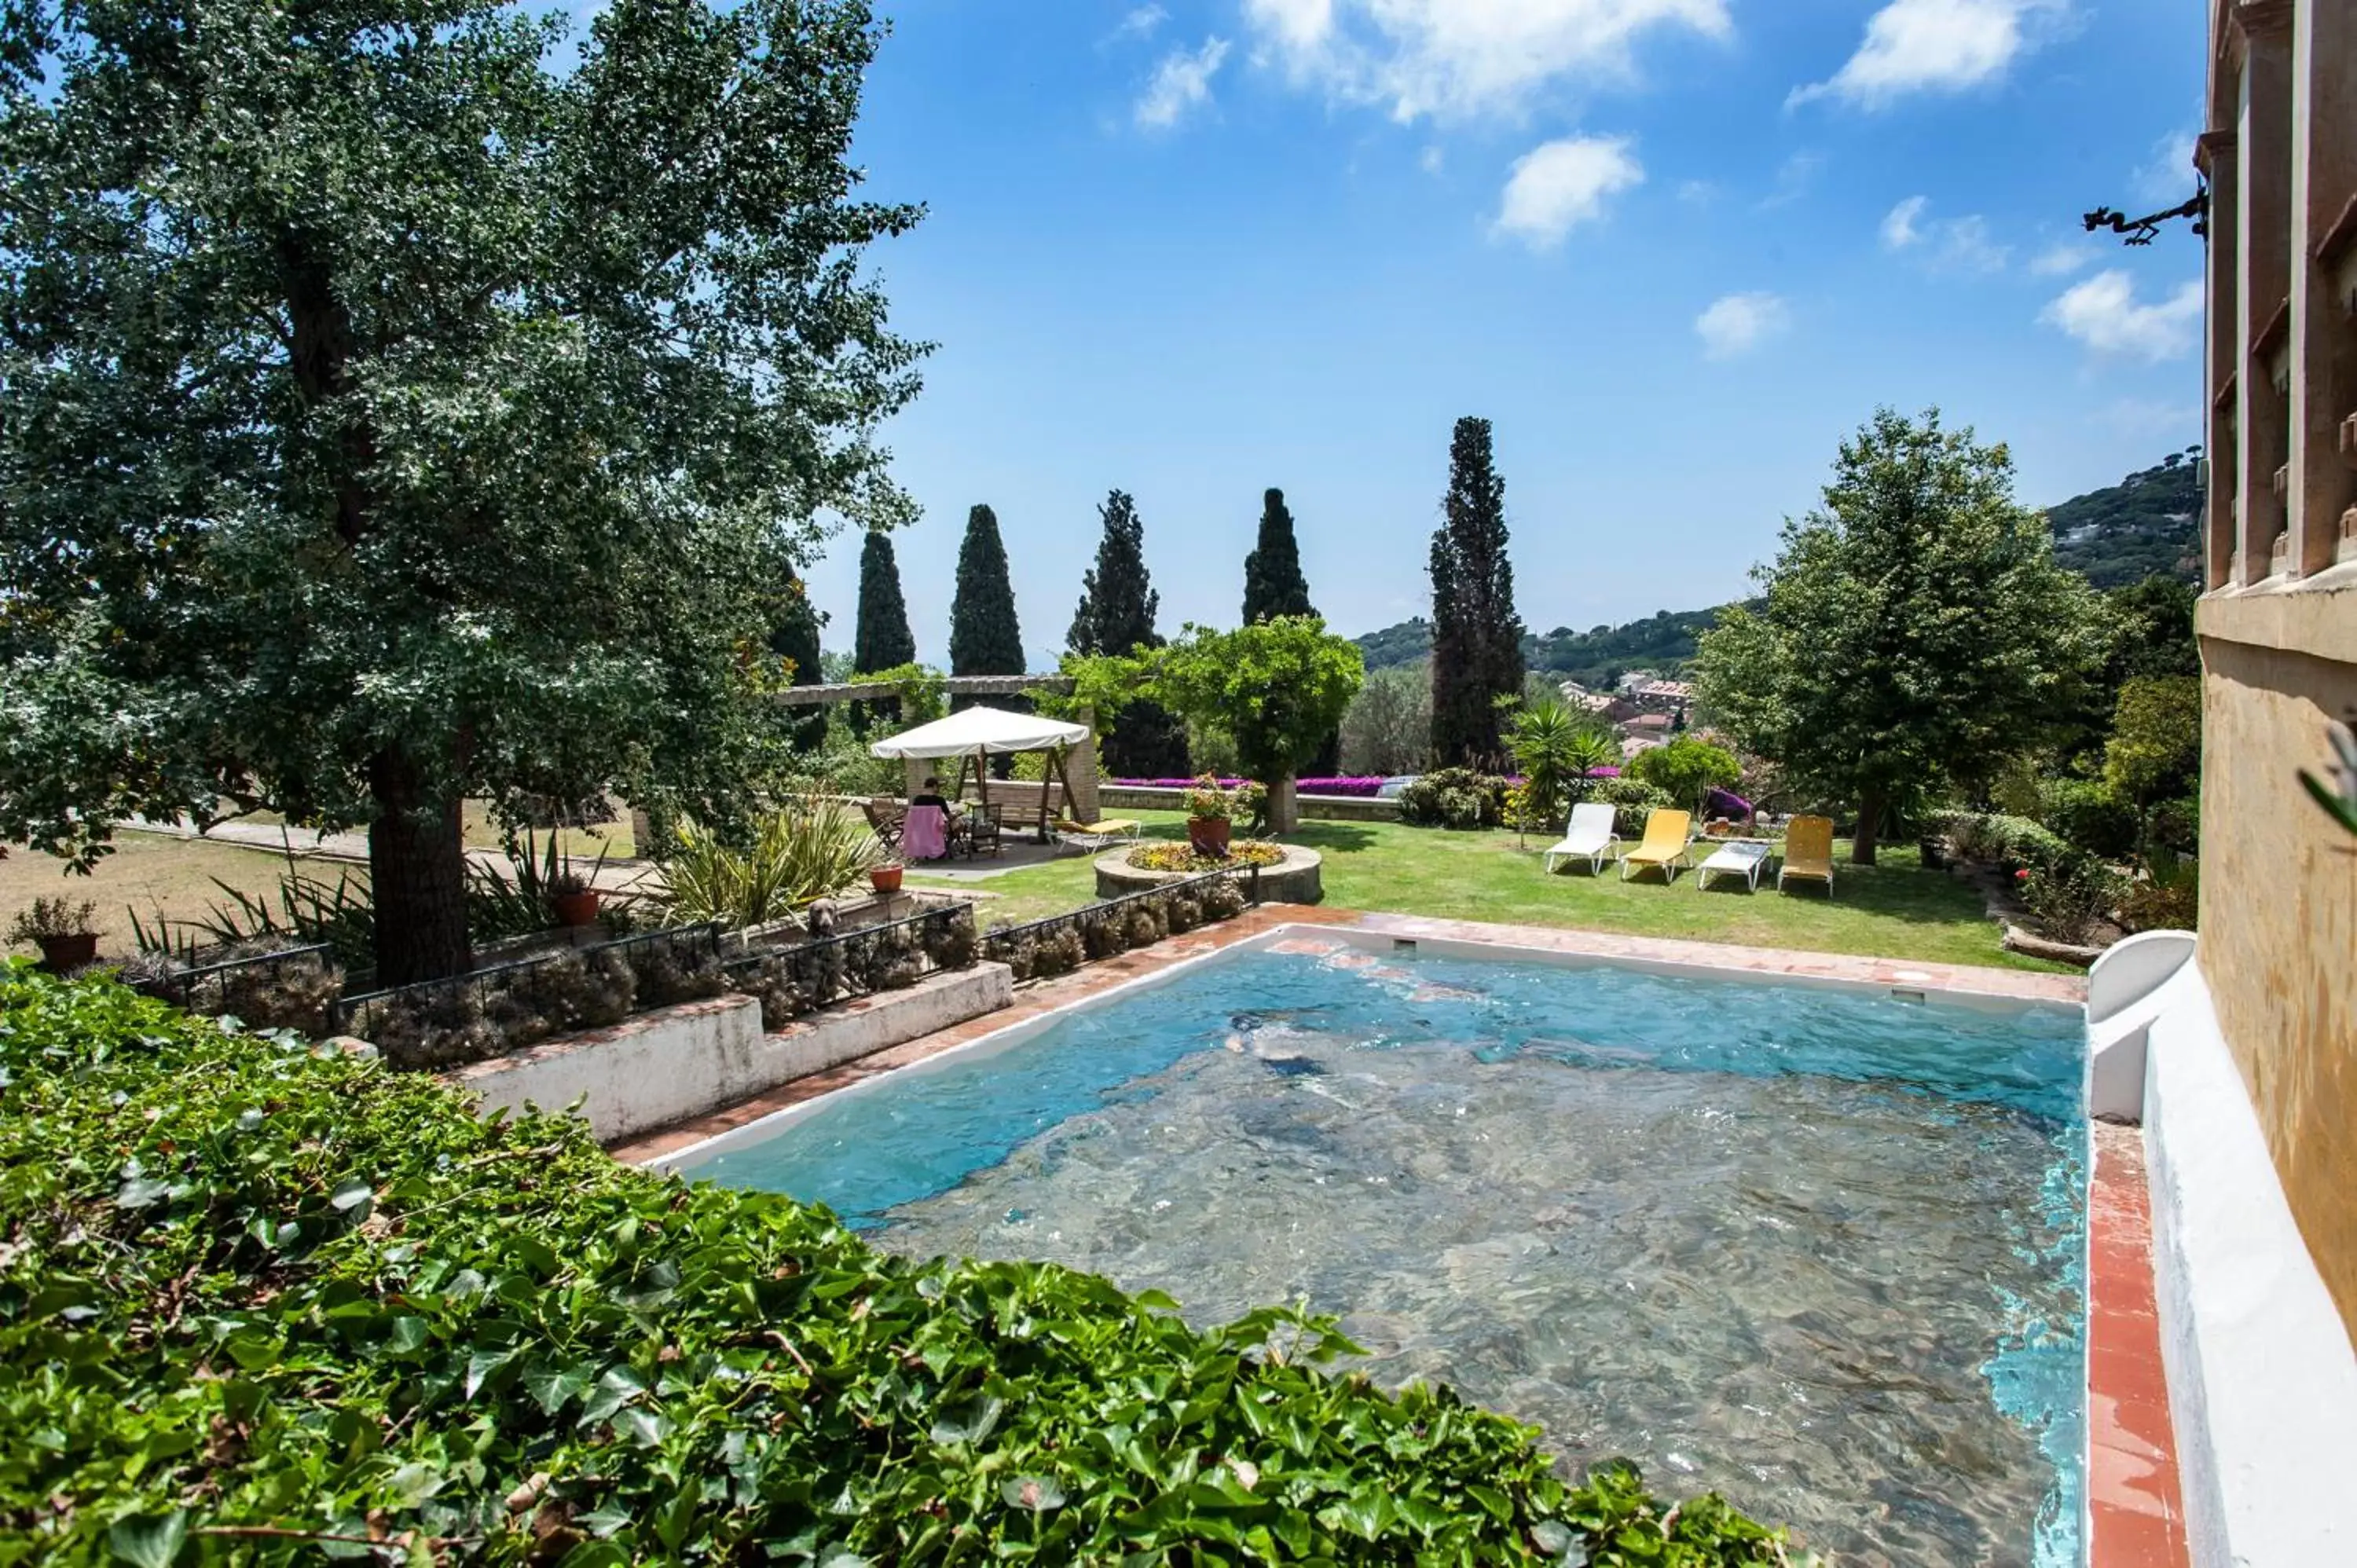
(61,930)
(574,898)
(884,876)
(1211,813)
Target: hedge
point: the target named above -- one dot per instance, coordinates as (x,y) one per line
(262,1302)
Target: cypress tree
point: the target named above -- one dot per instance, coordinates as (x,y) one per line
(985,638)
(793,635)
(881,639)
(1116,612)
(1274,585)
(1476,638)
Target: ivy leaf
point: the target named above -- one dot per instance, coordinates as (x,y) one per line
(350,1194)
(974,1424)
(150,1541)
(617,1388)
(1038,1493)
(142,1192)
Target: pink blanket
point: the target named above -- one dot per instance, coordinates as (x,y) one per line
(925,834)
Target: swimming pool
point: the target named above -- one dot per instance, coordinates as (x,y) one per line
(1819,1248)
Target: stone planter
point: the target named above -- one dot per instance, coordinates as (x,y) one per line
(1296,879)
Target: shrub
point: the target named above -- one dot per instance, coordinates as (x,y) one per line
(2088,816)
(809,850)
(1454,798)
(2012,843)
(2069,897)
(255,1286)
(1633,801)
(2177,825)
(1223,900)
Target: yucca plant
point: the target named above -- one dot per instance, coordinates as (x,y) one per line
(808,850)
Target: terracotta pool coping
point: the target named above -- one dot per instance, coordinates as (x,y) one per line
(2137,1512)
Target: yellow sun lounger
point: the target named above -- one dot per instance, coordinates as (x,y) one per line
(1808,852)
(1113,830)
(1665,845)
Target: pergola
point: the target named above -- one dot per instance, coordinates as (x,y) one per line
(973,735)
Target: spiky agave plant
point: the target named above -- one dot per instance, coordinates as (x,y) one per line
(2337,792)
(807,850)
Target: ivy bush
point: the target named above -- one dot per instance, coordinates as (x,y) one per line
(262,1303)
(1454,798)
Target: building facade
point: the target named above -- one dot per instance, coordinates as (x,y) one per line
(2279,620)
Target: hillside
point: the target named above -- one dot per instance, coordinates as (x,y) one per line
(1663,641)
(2145,526)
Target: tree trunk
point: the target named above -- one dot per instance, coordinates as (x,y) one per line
(1870,826)
(417,877)
(1284,814)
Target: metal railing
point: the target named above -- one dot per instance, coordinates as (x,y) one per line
(791,980)
(188,987)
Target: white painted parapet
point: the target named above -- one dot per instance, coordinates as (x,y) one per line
(664,1066)
(2262,1378)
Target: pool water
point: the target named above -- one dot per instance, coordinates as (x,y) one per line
(1820,1250)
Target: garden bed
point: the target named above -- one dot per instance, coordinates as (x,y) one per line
(1293,878)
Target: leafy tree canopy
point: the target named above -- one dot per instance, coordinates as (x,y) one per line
(881,639)
(1915,628)
(2154,751)
(387,417)
(1278,687)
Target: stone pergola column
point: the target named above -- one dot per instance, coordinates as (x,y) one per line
(2323,478)
(2263,241)
(2214,155)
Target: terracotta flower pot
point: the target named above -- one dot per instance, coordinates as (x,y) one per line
(1208,834)
(63,955)
(575,908)
(886,879)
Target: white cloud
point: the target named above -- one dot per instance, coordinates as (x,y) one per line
(1739,323)
(1181,82)
(1934,46)
(1795,176)
(2104,314)
(2167,176)
(1966,246)
(1898,229)
(2061,258)
(1432,158)
(1557,186)
(1464,59)
(1141,22)
(1954,244)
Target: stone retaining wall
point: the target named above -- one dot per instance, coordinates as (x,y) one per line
(666,1066)
(1325,807)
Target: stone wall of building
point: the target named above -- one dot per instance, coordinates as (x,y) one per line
(2278,939)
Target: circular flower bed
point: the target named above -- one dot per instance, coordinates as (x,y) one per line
(1183,856)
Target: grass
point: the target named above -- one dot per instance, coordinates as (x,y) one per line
(1896,909)
(147,872)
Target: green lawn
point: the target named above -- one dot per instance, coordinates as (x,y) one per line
(1896,909)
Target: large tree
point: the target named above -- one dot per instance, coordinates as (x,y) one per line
(794,639)
(1116,612)
(880,638)
(1914,630)
(395,409)
(1476,638)
(1274,585)
(1279,687)
(985,636)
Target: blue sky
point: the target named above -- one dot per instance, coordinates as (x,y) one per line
(1674,249)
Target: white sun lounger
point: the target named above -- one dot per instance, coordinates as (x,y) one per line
(1588,836)
(1744,860)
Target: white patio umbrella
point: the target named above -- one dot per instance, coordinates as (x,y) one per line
(982,732)
(976,733)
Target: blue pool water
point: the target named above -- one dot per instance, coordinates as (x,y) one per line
(1821,1250)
